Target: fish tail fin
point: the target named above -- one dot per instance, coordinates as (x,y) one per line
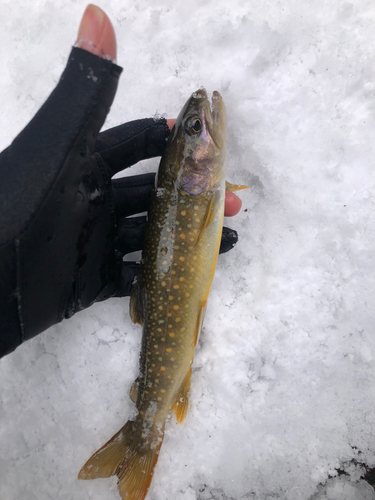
(132,459)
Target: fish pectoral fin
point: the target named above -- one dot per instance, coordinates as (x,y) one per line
(210,214)
(182,401)
(234,187)
(133,393)
(136,305)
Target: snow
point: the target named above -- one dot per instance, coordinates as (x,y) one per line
(283,386)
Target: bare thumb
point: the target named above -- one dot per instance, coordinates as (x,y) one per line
(96,33)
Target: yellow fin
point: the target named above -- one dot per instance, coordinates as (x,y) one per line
(133,393)
(135,305)
(182,401)
(105,461)
(200,320)
(234,187)
(131,459)
(210,214)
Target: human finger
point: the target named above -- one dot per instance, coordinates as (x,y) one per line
(96,33)
(122,146)
(132,194)
(131,233)
(232,204)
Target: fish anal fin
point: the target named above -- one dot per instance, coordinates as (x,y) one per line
(135,305)
(181,405)
(234,187)
(133,393)
(200,320)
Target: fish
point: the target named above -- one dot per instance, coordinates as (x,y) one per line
(169,298)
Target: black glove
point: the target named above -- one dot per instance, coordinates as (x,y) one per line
(63,221)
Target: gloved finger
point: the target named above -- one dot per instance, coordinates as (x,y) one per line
(229,238)
(132,194)
(129,272)
(123,146)
(131,233)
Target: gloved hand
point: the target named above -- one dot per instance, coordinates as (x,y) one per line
(63,222)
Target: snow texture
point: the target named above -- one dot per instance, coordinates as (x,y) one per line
(283,386)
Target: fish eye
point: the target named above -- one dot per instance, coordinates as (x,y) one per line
(193,126)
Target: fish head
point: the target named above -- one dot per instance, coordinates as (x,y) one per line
(195,154)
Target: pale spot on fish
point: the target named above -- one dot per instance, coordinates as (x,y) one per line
(162,368)
(183,212)
(182,259)
(176,287)
(175,307)
(177,320)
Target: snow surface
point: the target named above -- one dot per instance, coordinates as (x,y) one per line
(283,389)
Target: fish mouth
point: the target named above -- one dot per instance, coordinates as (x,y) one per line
(218,114)
(213,114)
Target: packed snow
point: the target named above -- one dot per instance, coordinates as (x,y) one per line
(283,386)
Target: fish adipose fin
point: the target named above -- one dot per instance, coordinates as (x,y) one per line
(182,401)
(234,187)
(132,460)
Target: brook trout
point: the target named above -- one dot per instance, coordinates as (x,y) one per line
(169,300)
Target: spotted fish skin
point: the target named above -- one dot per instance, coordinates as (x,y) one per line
(178,262)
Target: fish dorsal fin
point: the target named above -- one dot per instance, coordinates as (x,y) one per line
(133,393)
(234,187)
(136,305)
(210,213)
(182,400)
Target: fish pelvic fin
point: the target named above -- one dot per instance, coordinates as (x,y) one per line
(234,187)
(181,405)
(132,459)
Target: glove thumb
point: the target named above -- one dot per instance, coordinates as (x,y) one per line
(96,34)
